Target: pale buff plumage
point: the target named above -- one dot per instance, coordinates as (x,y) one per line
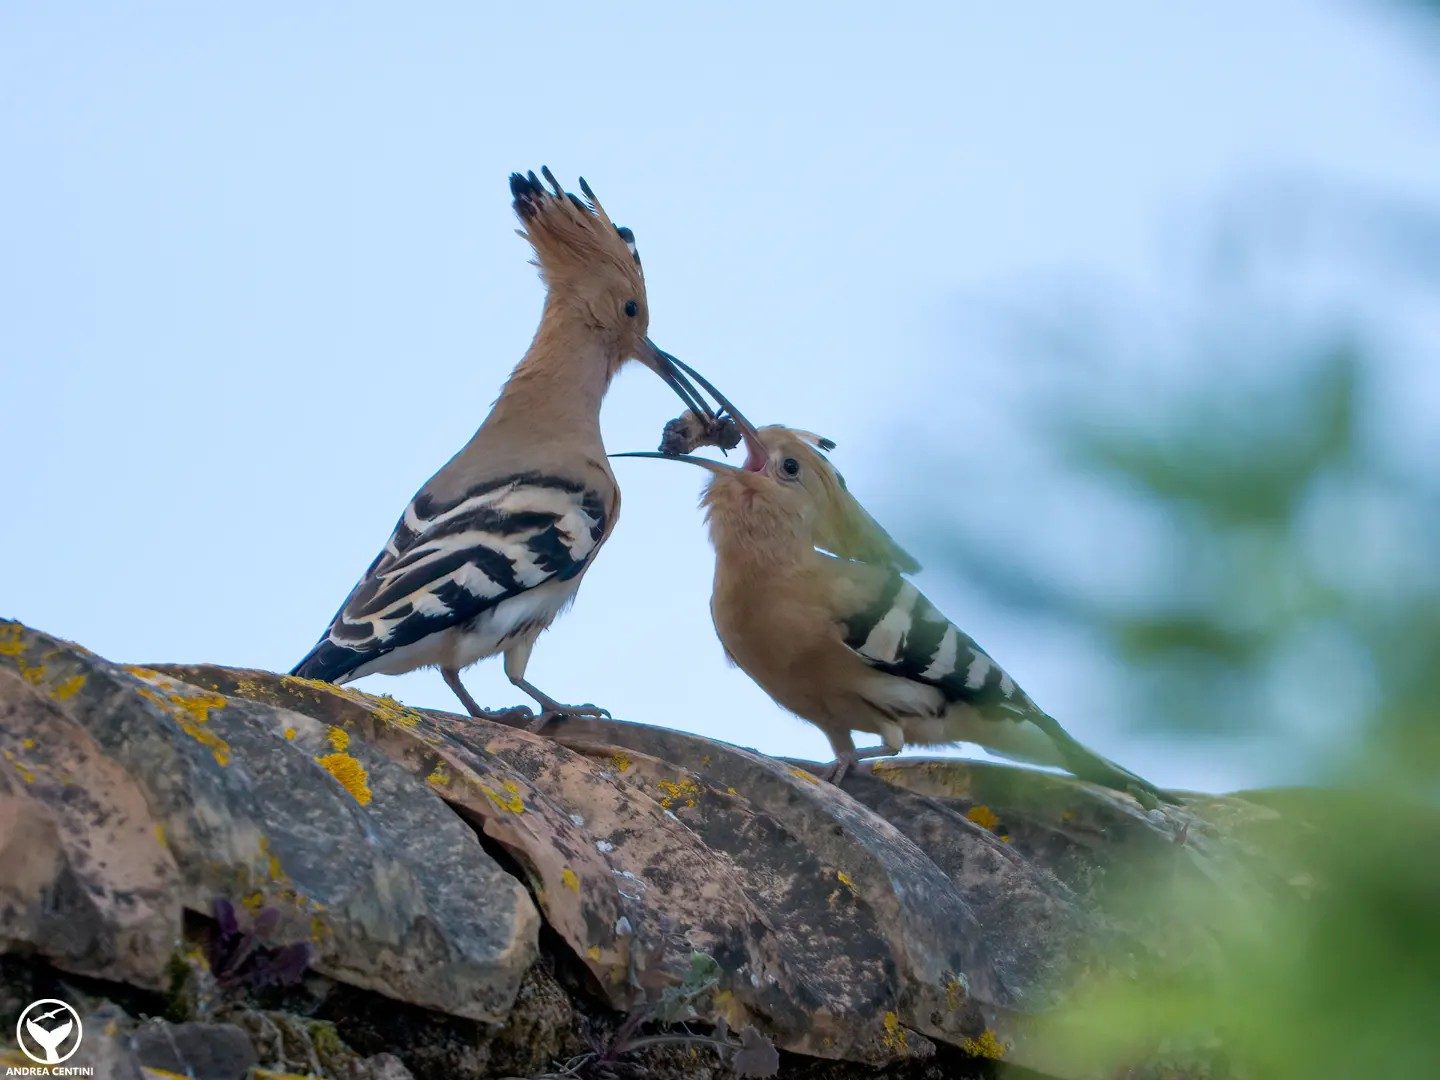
(812,601)
(495,544)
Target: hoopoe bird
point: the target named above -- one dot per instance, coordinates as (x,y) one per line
(494,546)
(811,600)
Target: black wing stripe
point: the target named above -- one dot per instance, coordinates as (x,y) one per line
(903,634)
(450,560)
(861,625)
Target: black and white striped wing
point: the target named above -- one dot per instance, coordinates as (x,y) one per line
(449,562)
(893,627)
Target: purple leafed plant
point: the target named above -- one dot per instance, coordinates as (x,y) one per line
(242,958)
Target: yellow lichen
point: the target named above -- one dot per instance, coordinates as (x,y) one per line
(593,952)
(954,992)
(570,879)
(254,902)
(319,929)
(684,792)
(808,777)
(731,791)
(160,837)
(983,816)
(984,1045)
(272,862)
(65,689)
(190,711)
(384,708)
(620,760)
(845,879)
(894,1036)
(350,773)
(338,737)
(290,733)
(26,773)
(12,641)
(510,801)
(439,776)
(149,1072)
(28,743)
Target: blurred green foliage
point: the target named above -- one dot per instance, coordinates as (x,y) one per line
(1285,580)
(1299,553)
(1301,550)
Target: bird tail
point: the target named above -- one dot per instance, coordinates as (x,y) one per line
(327,662)
(1042,741)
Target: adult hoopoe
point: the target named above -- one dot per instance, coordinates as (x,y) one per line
(493,546)
(811,601)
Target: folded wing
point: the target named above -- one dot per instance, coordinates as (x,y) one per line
(448,562)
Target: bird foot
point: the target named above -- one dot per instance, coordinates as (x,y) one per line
(576,712)
(836,770)
(513,716)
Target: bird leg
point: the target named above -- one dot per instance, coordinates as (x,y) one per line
(553,710)
(516,660)
(511,715)
(836,770)
(847,756)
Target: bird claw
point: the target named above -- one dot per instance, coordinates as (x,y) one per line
(836,770)
(576,712)
(514,715)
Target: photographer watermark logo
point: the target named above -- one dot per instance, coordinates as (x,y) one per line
(48,1033)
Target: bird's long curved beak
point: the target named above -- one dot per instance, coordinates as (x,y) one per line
(689,459)
(678,375)
(670,370)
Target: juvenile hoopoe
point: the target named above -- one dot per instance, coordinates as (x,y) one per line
(811,601)
(493,546)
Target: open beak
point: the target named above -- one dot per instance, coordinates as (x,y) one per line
(678,375)
(669,369)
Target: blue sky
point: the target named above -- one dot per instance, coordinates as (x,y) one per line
(261,281)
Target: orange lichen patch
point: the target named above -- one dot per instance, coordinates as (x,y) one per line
(593,952)
(685,792)
(620,760)
(801,774)
(894,1036)
(350,773)
(65,689)
(984,1045)
(983,816)
(510,801)
(12,641)
(338,738)
(570,879)
(290,733)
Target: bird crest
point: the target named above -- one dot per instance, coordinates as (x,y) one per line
(573,237)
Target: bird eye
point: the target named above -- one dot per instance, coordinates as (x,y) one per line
(632,308)
(790,467)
